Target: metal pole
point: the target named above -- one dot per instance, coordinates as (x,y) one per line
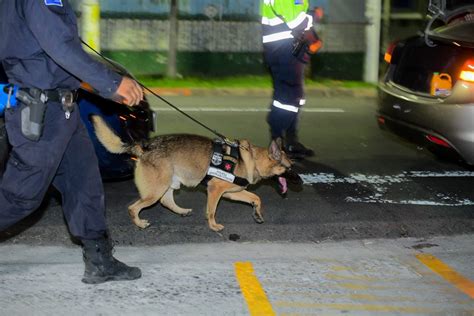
(373,14)
(173,40)
(90,23)
(387,5)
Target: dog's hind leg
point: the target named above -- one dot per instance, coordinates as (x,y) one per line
(250,198)
(151,183)
(135,209)
(168,201)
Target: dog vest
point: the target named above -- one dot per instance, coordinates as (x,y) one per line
(223,163)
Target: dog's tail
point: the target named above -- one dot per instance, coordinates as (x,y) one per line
(111,141)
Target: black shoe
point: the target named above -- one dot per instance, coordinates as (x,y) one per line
(101,266)
(297,150)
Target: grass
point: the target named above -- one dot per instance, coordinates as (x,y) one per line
(242,82)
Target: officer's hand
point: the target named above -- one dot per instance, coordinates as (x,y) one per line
(130,91)
(314,42)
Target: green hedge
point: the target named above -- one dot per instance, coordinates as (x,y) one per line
(340,66)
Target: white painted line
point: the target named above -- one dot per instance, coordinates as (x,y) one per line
(331,178)
(380,185)
(207,109)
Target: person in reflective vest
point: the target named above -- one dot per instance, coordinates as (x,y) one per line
(289,39)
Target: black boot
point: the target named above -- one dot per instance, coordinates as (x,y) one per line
(296,150)
(101,266)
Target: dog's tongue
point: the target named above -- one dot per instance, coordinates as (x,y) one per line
(283,185)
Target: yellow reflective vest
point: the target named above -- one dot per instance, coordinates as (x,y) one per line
(281,17)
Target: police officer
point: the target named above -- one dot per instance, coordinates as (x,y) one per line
(288,40)
(41,53)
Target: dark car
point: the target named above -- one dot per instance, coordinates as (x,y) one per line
(427,92)
(130,123)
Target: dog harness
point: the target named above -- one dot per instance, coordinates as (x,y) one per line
(223,160)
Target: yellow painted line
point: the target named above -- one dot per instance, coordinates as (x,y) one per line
(438,266)
(252,291)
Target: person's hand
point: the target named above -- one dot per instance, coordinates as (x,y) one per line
(130,92)
(312,39)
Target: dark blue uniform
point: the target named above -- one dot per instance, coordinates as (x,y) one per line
(288,89)
(40,48)
(284,21)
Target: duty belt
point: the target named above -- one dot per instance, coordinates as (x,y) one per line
(64,96)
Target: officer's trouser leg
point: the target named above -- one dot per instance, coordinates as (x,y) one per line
(31,165)
(287,75)
(78,179)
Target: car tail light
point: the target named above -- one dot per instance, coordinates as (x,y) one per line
(389,52)
(467,72)
(438,141)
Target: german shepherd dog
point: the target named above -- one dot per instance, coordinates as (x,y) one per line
(165,162)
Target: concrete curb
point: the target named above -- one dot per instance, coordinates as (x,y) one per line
(311,91)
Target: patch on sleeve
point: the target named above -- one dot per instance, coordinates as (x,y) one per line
(58,3)
(298,1)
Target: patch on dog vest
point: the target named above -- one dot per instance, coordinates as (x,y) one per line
(216,159)
(58,3)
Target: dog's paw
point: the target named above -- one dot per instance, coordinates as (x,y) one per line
(142,223)
(258,218)
(187,212)
(216,227)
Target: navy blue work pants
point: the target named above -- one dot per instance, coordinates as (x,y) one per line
(64,157)
(288,89)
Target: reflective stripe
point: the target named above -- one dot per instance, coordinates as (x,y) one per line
(302,102)
(310,23)
(277,36)
(296,22)
(272,22)
(269,2)
(286,107)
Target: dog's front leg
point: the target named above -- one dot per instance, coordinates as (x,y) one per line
(215,190)
(250,198)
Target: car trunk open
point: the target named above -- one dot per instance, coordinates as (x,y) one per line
(416,63)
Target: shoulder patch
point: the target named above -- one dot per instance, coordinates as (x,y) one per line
(58,3)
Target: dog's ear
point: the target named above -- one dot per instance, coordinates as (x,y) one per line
(275,149)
